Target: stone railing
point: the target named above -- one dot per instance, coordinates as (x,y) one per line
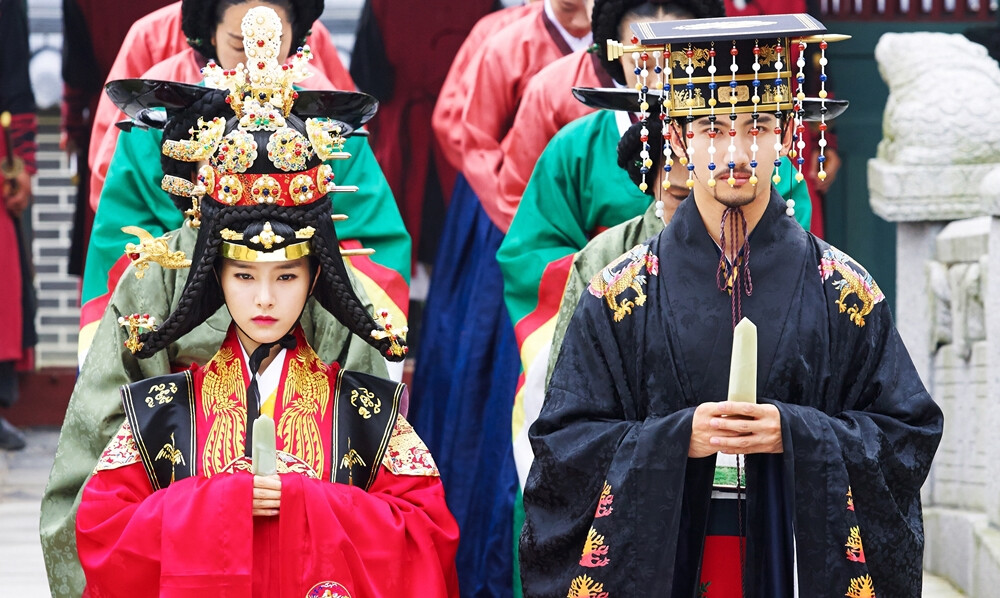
(937,175)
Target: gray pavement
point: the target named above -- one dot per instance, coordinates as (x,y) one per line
(22,481)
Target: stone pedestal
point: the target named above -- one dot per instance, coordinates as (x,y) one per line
(937,175)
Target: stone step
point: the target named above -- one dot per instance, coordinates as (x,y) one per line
(938,587)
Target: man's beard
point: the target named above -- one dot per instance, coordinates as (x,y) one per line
(738,200)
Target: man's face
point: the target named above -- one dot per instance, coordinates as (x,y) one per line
(736,143)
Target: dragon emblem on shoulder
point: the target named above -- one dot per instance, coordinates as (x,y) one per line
(853,280)
(624,274)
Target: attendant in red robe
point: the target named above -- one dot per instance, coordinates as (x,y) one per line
(348,501)
(451,99)
(396,58)
(93,31)
(17,158)
(508,61)
(467,369)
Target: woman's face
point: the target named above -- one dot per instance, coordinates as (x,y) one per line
(264,298)
(228,38)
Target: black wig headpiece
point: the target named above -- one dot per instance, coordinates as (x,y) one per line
(265,164)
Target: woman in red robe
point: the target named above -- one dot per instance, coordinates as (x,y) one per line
(349,502)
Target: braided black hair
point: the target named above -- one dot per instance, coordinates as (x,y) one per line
(202,295)
(209,106)
(607,17)
(630,146)
(199,19)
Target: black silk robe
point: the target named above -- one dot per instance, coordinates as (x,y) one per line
(615,508)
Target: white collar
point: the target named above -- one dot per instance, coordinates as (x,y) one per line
(575,43)
(267,381)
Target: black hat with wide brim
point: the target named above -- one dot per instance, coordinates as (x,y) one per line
(150,103)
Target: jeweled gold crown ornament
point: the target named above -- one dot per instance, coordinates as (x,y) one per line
(262,95)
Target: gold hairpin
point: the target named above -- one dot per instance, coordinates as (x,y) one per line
(152,250)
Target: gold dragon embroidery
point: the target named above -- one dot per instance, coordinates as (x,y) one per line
(223,395)
(610,282)
(854,280)
(306,395)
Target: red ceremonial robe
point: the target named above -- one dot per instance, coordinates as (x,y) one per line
(547,106)
(455,90)
(153,39)
(507,61)
(394,60)
(195,537)
(17,99)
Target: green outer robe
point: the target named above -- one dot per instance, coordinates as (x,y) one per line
(590,260)
(95,409)
(132,197)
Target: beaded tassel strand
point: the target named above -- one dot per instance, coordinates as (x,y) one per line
(732,115)
(663,84)
(689,119)
(642,85)
(822,111)
(712,131)
(754,130)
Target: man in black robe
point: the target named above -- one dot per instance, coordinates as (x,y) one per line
(836,448)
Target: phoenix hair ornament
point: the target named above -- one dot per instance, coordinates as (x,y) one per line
(152,250)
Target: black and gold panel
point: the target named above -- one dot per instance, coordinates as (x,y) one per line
(161,412)
(365,413)
(741,76)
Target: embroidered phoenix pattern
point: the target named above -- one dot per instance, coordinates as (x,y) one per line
(304,402)
(853,280)
(223,396)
